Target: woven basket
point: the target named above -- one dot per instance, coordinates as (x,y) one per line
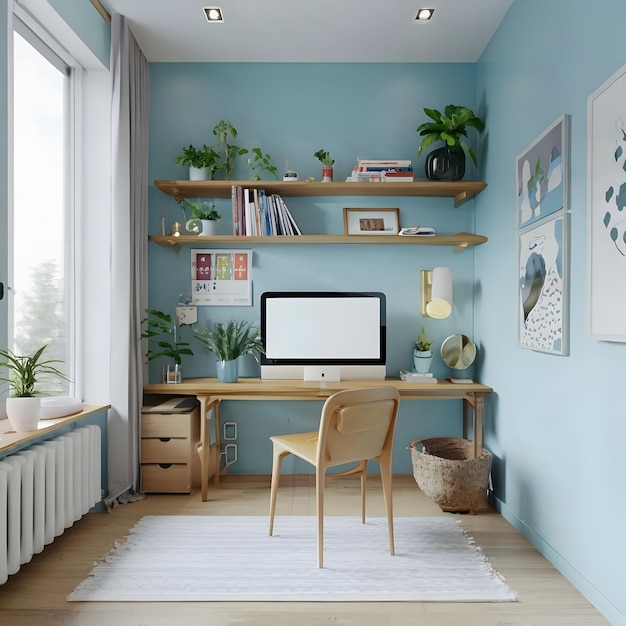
(445,470)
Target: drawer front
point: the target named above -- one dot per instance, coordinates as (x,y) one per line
(167,424)
(174,478)
(166,450)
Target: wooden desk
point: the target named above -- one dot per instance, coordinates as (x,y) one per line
(210,392)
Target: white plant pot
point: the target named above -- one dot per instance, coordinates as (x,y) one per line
(199,173)
(23,413)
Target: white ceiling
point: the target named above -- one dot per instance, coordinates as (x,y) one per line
(350,31)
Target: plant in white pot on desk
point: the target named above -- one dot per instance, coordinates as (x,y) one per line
(163,338)
(204,218)
(228,342)
(422,356)
(25,372)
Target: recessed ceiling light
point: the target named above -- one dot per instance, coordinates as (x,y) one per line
(213,15)
(423,15)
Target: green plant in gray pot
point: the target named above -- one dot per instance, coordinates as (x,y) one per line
(228,341)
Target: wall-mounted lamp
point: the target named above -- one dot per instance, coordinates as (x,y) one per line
(436,292)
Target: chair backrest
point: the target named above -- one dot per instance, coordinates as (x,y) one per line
(357,424)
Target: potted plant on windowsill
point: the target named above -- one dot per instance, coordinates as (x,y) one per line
(202,162)
(228,342)
(448,163)
(327,163)
(422,356)
(163,341)
(25,373)
(204,217)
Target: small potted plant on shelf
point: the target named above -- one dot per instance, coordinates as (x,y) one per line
(327,163)
(223,129)
(202,162)
(422,356)
(163,340)
(448,163)
(25,373)
(228,342)
(261,162)
(204,217)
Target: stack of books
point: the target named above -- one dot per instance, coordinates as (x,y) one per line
(397,171)
(256,214)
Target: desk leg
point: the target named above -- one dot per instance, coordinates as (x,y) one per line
(204,450)
(479,423)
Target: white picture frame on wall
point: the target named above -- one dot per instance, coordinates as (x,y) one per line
(543,286)
(542,174)
(606,209)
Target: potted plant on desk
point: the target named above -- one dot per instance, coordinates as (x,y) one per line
(25,372)
(228,342)
(422,356)
(160,327)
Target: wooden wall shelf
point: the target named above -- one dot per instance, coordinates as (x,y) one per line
(461,190)
(461,240)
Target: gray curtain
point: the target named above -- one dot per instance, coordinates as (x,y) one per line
(130,108)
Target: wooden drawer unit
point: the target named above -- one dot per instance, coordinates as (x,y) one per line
(168,455)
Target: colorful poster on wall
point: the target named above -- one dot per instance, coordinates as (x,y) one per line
(221,277)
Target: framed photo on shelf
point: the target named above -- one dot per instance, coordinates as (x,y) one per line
(542,174)
(542,280)
(371,221)
(606,189)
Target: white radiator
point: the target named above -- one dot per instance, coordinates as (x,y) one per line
(44,489)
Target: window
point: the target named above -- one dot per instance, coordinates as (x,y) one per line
(41,220)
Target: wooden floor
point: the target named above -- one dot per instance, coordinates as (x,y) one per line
(35,596)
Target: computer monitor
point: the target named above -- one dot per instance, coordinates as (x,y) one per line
(323,335)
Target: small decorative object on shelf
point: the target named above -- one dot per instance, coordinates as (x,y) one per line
(448,163)
(261,162)
(327,162)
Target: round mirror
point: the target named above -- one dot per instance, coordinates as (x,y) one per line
(458,352)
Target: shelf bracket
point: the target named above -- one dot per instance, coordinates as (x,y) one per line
(460,198)
(178,196)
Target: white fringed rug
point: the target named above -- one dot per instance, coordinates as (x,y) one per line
(208,558)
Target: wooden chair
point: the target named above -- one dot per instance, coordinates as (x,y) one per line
(356,426)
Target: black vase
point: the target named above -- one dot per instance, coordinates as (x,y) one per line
(445,164)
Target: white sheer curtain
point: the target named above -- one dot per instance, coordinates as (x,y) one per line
(129,234)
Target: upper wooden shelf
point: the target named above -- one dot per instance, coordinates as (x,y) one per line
(460,240)
(461,190)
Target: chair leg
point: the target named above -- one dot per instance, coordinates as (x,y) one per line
(276,464)
(385,473)
(320,474)
(363,490)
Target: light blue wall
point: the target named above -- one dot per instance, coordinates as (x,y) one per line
(291,111)
(557,424)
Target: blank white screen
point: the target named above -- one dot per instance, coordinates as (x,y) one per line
(322,328)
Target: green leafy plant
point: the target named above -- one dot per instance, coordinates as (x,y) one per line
(423,343)
(163,339)
(223,129)
(450,127)
(202,210)
(324,157)
(230,340)
(199,157)
(27,371)
(261,162)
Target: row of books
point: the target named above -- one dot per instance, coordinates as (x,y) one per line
(257,214)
